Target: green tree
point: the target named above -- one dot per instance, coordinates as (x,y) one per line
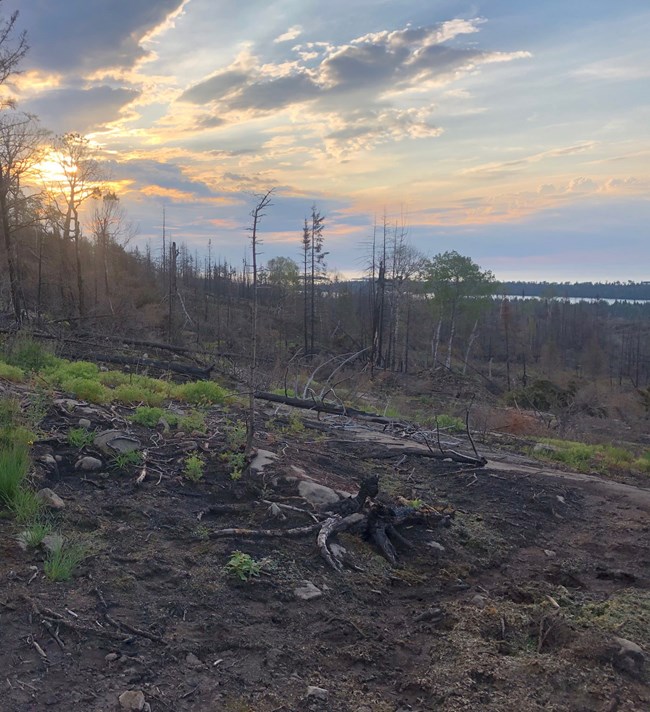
(283,272)
(457,285)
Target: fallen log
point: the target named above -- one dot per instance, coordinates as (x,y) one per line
(185,370)
(322,407)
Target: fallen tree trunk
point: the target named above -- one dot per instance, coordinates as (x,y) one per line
(185,370)
(322,407)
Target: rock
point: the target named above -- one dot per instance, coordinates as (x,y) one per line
(629,657)
(192,661)
(316,494)
(48,460)
(88,464)
(436,546)
(262,459)
(319,693)
(132,700)
(433,614)
(52,542)
(50,499)
(112,441)
(112,657)
(85,423)
(338,551)
(550,553)
(478,601)
(275,512)
(307,591)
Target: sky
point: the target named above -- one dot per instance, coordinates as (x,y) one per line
(515,133)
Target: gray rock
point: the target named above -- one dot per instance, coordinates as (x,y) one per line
(262,459)
(85,423)
(629,657)
(307,591)
(275,512)
(550,553)
(338,551)
(116,441)
(320,693)
(316,494)
(88,464)
(132,700)
(192,661)
(50,499)
(48,460)
(52,542)
(112,657)
(437,546)
(478,601)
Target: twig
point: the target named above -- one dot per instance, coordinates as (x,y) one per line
(298,531)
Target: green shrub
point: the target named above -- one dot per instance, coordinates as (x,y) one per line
(14,465)
(201,393)
(149,417)
(194,420)
(29,355)
(80,437)
(194,466)
(113,379)
(11,373)
(86,389)
(69,370)
(61,562)
(242,566)
(449,422)
(131,393)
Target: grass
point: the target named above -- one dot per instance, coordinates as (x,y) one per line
(14,464)
(80,437)
(194,466)
(126,460)
(583,457)
(87,389)
(26,507)
(61,563)
(15,374)
(37,531)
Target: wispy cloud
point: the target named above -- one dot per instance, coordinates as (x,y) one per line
(291,34)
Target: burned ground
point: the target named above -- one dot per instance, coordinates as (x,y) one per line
(516,606)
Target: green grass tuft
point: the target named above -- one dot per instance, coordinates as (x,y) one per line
(26,507)
(149,417)
(80,437)
(14,465)
(61,563)
(15,374)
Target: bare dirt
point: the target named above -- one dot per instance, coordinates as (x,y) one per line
(515,607)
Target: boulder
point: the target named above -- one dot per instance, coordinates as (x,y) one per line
(50,499)
(317,495)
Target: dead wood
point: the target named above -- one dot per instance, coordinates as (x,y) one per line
(182,369)
(432,454)
(322,407)
(263,533)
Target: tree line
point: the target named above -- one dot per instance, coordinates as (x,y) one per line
(67,258)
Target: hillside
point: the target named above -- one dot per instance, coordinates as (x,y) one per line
(521,588)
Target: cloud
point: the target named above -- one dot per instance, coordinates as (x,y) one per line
(330,82)
(291,34)
(81,36)
(502,167)
(82,110)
